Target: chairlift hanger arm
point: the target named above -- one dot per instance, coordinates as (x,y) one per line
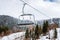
(23,8)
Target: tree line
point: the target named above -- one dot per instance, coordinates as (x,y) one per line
(3,30)
(38,30)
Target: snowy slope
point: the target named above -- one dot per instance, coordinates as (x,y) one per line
(13,36)
(51,33)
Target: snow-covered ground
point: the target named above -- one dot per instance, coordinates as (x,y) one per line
(14,36)
(51,33)
(20,36)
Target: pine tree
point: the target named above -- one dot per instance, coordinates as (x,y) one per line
(55,33)
(36,31)
(45,26)
(27,33)
(0,29)
(40,30)
(30,33)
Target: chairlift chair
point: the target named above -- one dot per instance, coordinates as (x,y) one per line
(27,23)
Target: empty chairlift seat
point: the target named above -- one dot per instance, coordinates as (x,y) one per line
(26,22)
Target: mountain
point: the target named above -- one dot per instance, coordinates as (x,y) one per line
(8,21)
(55,20)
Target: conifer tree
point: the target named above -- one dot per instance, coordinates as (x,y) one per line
(44,31)
(30,33)
(40,30)
(45,26)
(27,33)
(55,33)
(36,31)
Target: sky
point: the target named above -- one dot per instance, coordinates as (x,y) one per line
(13,8)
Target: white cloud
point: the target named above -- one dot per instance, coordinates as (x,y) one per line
(14,8)
(52,9)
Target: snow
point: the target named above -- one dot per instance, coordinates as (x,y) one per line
(58,33)
(13,36)
(20,36)
(43,38)
(51,33)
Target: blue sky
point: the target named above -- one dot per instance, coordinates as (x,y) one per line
(14,7)
(52,0)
